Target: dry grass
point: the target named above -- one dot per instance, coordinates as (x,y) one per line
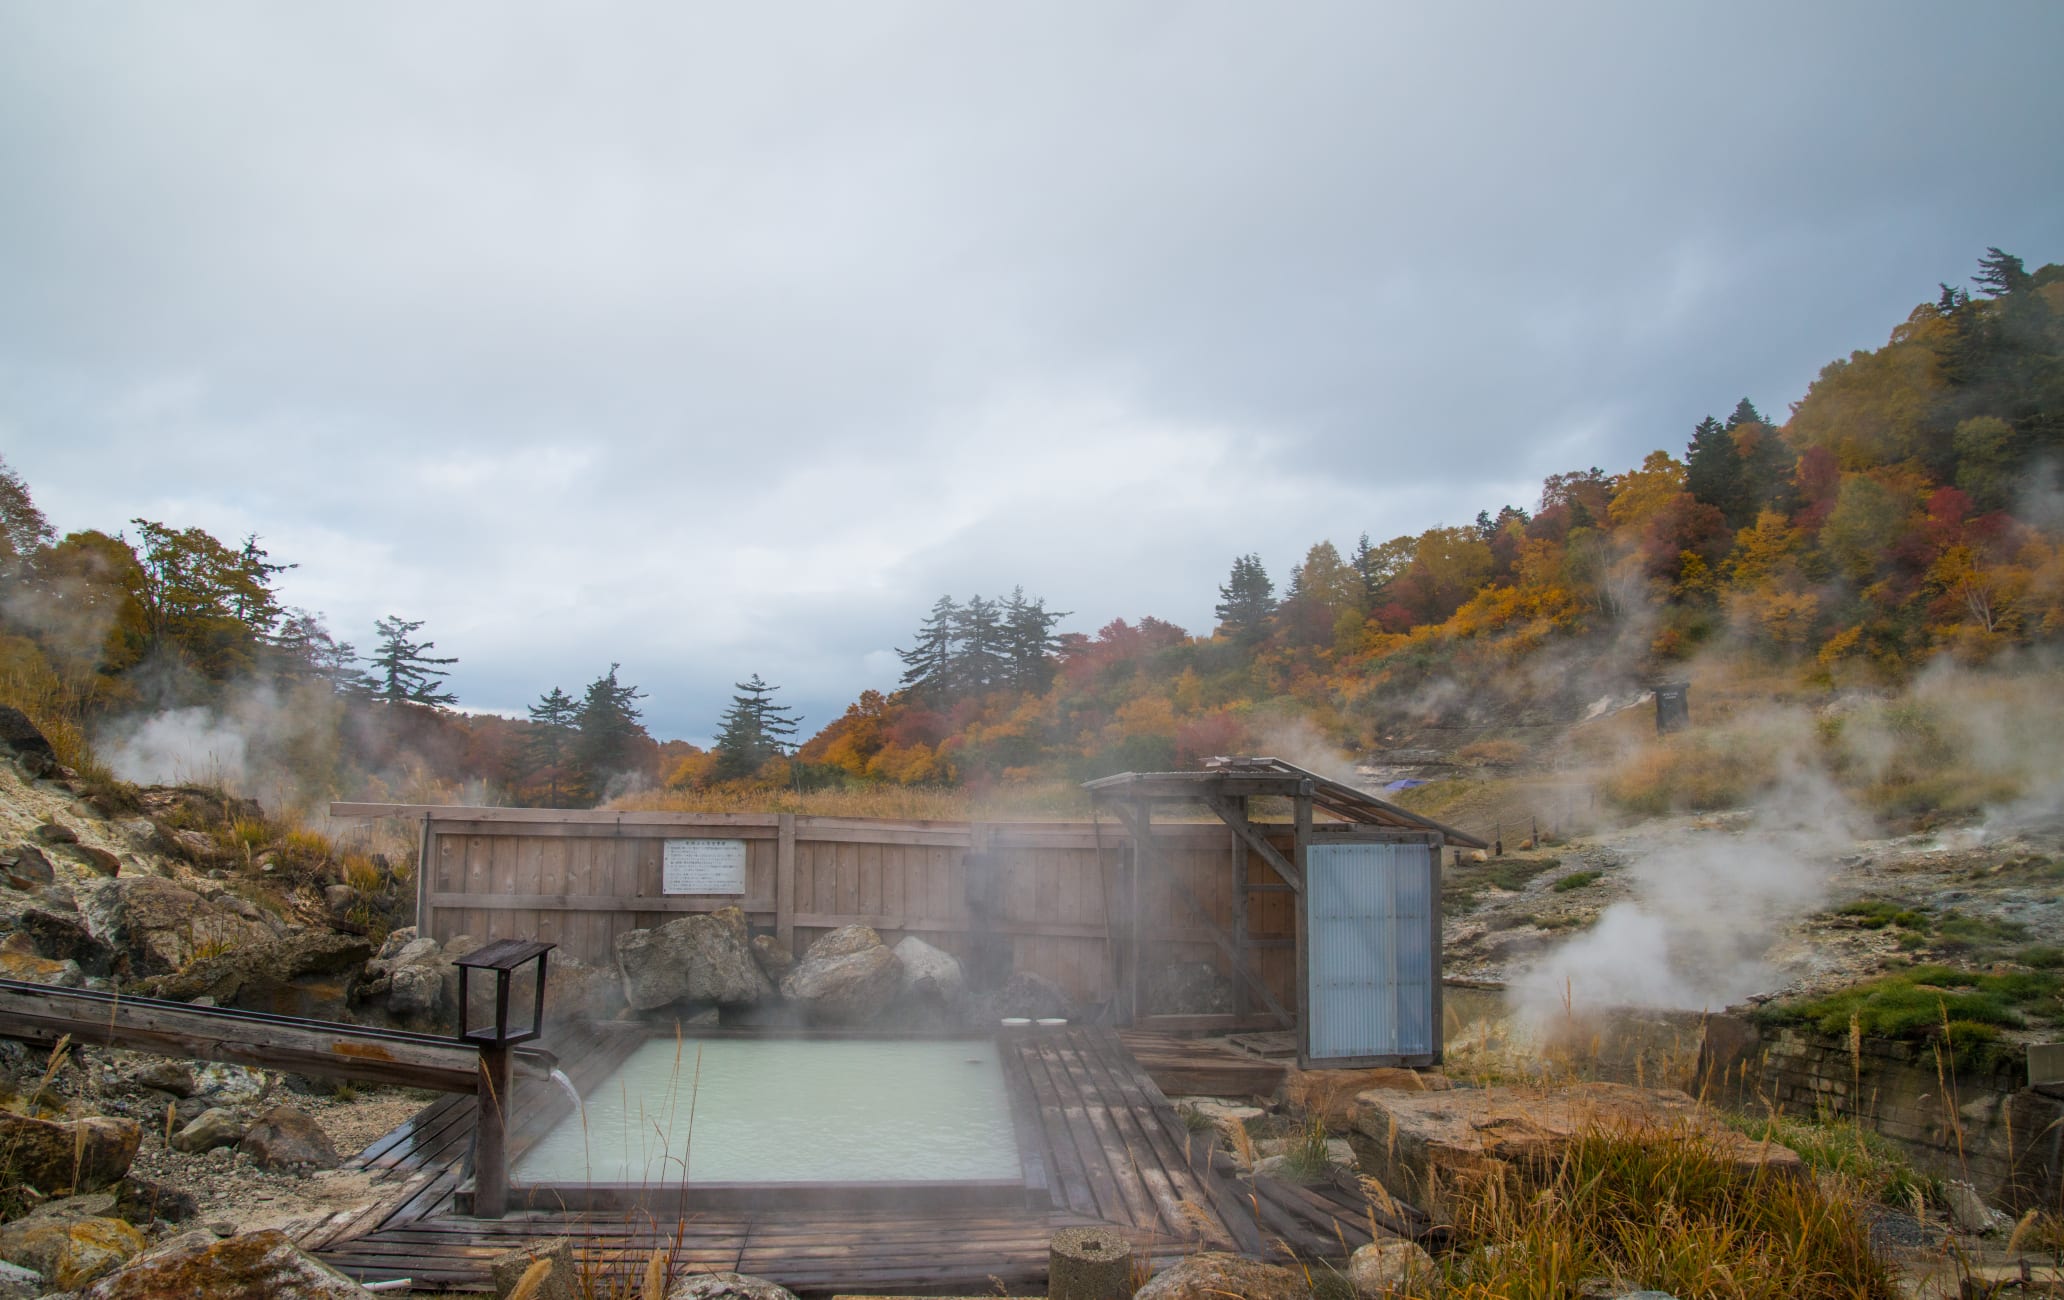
(1664,1212)
(57,708)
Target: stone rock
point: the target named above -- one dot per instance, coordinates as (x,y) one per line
(61,934)
(728,1286)
(223,1084)
(1435,1147)
(264,1265)
(213,1127)
(56,832)
(140,1203)
(99,861)
(201,849)
(18,1283)
(311,975)
(930,975)
(142,832)
(1330,1094)
(175,1077)
(70,1253)
(1384,1268)
(1968,1210)
(338,900)
(775,960)
(284,1138)
(25,868)
(32,969)
(561,1280)
(46,1154)
(1188,988)
(416,990)
(1215,1276)
(21,741)
(154,926)
(697,958)
(846,978)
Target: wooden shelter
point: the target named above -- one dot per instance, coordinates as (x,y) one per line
(1263,864)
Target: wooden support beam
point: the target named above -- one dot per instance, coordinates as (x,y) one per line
(1235,815)
(1241,893)
(784,883)
(1300,846)
(40,1014)
(491,1135)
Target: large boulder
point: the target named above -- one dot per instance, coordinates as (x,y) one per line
(284,1138)
(1330,1094)
(776,961)
(704,957)
(61,934)
(265,1265)
(62,1157)
(311,975)
(848,977)
(21,741)
(154,926)
(1215,1276)
(1388,1268)
(929,975)
(1434,1148)
(70,1252)
(31,969)
(1025,994)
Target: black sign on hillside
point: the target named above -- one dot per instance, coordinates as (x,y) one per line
(1672,707)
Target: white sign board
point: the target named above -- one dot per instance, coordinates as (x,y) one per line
(703,867)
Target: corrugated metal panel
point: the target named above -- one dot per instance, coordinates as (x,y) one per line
(1370,950)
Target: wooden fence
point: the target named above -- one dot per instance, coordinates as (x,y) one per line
(579,879)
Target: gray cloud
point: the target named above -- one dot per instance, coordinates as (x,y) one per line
(724,339)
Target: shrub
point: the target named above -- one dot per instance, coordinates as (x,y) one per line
(1576,880)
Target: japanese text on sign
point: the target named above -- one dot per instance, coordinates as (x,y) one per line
(703,867)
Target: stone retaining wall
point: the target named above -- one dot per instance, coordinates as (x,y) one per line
(2006,1139)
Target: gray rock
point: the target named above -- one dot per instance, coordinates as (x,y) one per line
(142,832)
(56,832)
(18,1283)
(775,960)
(727,1286)
(213,1127)
(223,1084)
(846,978)
(560,1281)
(25,744)
(930,975)
(175,1077)
(285,1138)
(415,990)
(258,1264)
(1968,1210)
(25,868)
(338,900)
(99,861)
(1384,1268)
(1214,1276)
(696,958)
(1025,994)
(154,926)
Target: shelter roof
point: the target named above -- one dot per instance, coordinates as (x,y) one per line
(1235,777)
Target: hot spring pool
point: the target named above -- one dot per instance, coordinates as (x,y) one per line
(757,1110)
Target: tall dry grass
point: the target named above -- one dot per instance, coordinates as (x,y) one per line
(1661,1211)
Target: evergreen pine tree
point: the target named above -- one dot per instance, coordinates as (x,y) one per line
(1712,470)
(753,731)
(555,720)
(979,661)
(607,730)
(1246,600)
(928,665)
(1028,633)
(2000,273)
(403,673)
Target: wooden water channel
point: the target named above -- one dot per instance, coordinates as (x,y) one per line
(1104,1146)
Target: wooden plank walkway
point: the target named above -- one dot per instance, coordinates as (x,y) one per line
(1101,1136)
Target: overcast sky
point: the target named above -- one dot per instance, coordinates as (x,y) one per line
(724,339)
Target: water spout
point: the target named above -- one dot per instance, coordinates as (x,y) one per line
(559,1077)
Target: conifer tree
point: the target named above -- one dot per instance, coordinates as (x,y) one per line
(1028,633)
(753,731)
(1246,600)
(555,725)
(928,665)
(607,730)
(403,672)
(979,661)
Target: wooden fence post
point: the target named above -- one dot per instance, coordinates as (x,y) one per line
(784,882)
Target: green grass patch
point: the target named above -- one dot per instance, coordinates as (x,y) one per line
(1914,1004)
(1876,914)
(1844,1148)
(1961,933)
(2042,956)
(1577,880)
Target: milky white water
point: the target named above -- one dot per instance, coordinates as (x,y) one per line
(788,1110)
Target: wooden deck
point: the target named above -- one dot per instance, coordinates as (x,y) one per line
(1108,1147)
